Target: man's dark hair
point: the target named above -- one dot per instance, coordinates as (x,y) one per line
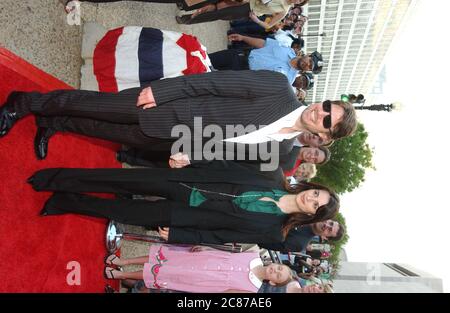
(297,41)
(339,235)
(347,126)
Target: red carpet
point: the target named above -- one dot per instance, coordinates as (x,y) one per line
(36,251)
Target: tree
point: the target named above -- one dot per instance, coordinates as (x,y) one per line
(350,157)
(336,251)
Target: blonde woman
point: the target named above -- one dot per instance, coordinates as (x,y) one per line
(305,172)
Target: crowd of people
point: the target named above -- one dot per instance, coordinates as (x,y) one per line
(216,186)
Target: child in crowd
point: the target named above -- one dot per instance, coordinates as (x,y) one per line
(200,269)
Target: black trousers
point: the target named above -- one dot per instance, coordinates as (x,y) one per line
(132,181)
(133,212)
(139,157)
(109,107)
(231,59)
(107,116)
(68,185)
(126,134)
(227,14)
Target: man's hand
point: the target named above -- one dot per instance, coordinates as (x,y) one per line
(235,37)
(252,41)
(146,99)
(179,160)
(164,233)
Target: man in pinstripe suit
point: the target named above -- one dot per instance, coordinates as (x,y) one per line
(144,117)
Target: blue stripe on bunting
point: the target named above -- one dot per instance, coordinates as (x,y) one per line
(150,55)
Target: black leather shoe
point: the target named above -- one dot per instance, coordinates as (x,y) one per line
(41,139)
(7,119)
(47,210)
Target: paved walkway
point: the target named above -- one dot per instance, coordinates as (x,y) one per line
(37,30)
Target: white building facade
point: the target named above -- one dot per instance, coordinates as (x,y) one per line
(362,277)
(358,34)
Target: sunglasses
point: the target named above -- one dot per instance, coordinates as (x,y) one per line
(326,107)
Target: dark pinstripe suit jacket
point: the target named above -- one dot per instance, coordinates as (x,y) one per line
(150,158)
(221,98)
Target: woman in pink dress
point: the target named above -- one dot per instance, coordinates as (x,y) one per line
(200,269)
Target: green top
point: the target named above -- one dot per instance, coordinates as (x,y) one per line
(248,201)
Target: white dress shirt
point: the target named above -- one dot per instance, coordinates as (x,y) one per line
(270,132)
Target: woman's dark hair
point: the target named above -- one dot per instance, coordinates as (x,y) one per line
(323,213)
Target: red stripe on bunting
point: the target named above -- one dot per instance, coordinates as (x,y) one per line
(105,61)
(194,64)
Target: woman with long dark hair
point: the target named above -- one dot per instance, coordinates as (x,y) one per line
(222,202)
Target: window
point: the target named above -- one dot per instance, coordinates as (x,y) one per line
(348,14)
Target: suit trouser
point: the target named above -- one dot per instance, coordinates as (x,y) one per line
(127,134)
(109,107)
(108,116)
